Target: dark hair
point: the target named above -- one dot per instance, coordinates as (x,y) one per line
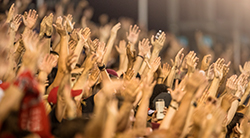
(159,88)
(70,128)
(9,125)
(236,119)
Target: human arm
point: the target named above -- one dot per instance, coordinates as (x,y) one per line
(218,74)
(141,115)
(133,35)
(178,122)
(144,48)
(64,51)
(176,66)
(110,42)
(123,61)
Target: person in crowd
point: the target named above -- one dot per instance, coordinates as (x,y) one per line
(64,76)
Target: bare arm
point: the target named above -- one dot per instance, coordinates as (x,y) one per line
(111,42)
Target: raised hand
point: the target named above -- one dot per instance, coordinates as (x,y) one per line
(206,62)
(191,61)
(148,87)
(115,28)
(72,46)
(218,68)
(129,74)
(155,64)
(30,41)
(84,34)
(100,52)
(74,34)
(159,43)
(70,60)
(241,85)
(178,59)
(194,81)
(179,91)
(11,13)
(122,47)
(48,23)
(68,23)
(144,47)
(246,68)
(61,30)
(164,71)
(130,55)
(33,49)
(48,63)
(90,61)
(93,77)
(29,19)
(231,85)
(227,101)
(15,23)
(210,72)
(133,34)
(131,91)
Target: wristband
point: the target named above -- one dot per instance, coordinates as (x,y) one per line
(239,99)
(175,108)
(195,104)
(140,56)
(102,68)
(46,36)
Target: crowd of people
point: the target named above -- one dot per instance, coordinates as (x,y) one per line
(64,76)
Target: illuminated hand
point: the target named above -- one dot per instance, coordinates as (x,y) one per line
(133,34)
(144,47)
(122,47)
(29,19)
(61,30)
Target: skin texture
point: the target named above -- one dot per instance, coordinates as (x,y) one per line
(84,48)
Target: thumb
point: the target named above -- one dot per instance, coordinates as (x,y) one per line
(240,67)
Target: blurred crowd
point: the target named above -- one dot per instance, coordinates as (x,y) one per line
(63,75)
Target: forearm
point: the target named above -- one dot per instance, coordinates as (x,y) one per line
(214,87)
(78,50)
(165,124)
(11,97)
(137,64)
(143,66)
(42,77)
(64,51)
(232,111)
(123,116)
(109,49)
(171,77)
(245,95)
(141,115)
(81,80)
(122,64)
(110,126)
(60,106)
(12,35)
(180,117)
(96,125)
(61,63)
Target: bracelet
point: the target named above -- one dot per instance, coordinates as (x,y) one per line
(239,99)
(195,104)
(141,56)
(175,108)
(175,101)
(102,68)
(47,36)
